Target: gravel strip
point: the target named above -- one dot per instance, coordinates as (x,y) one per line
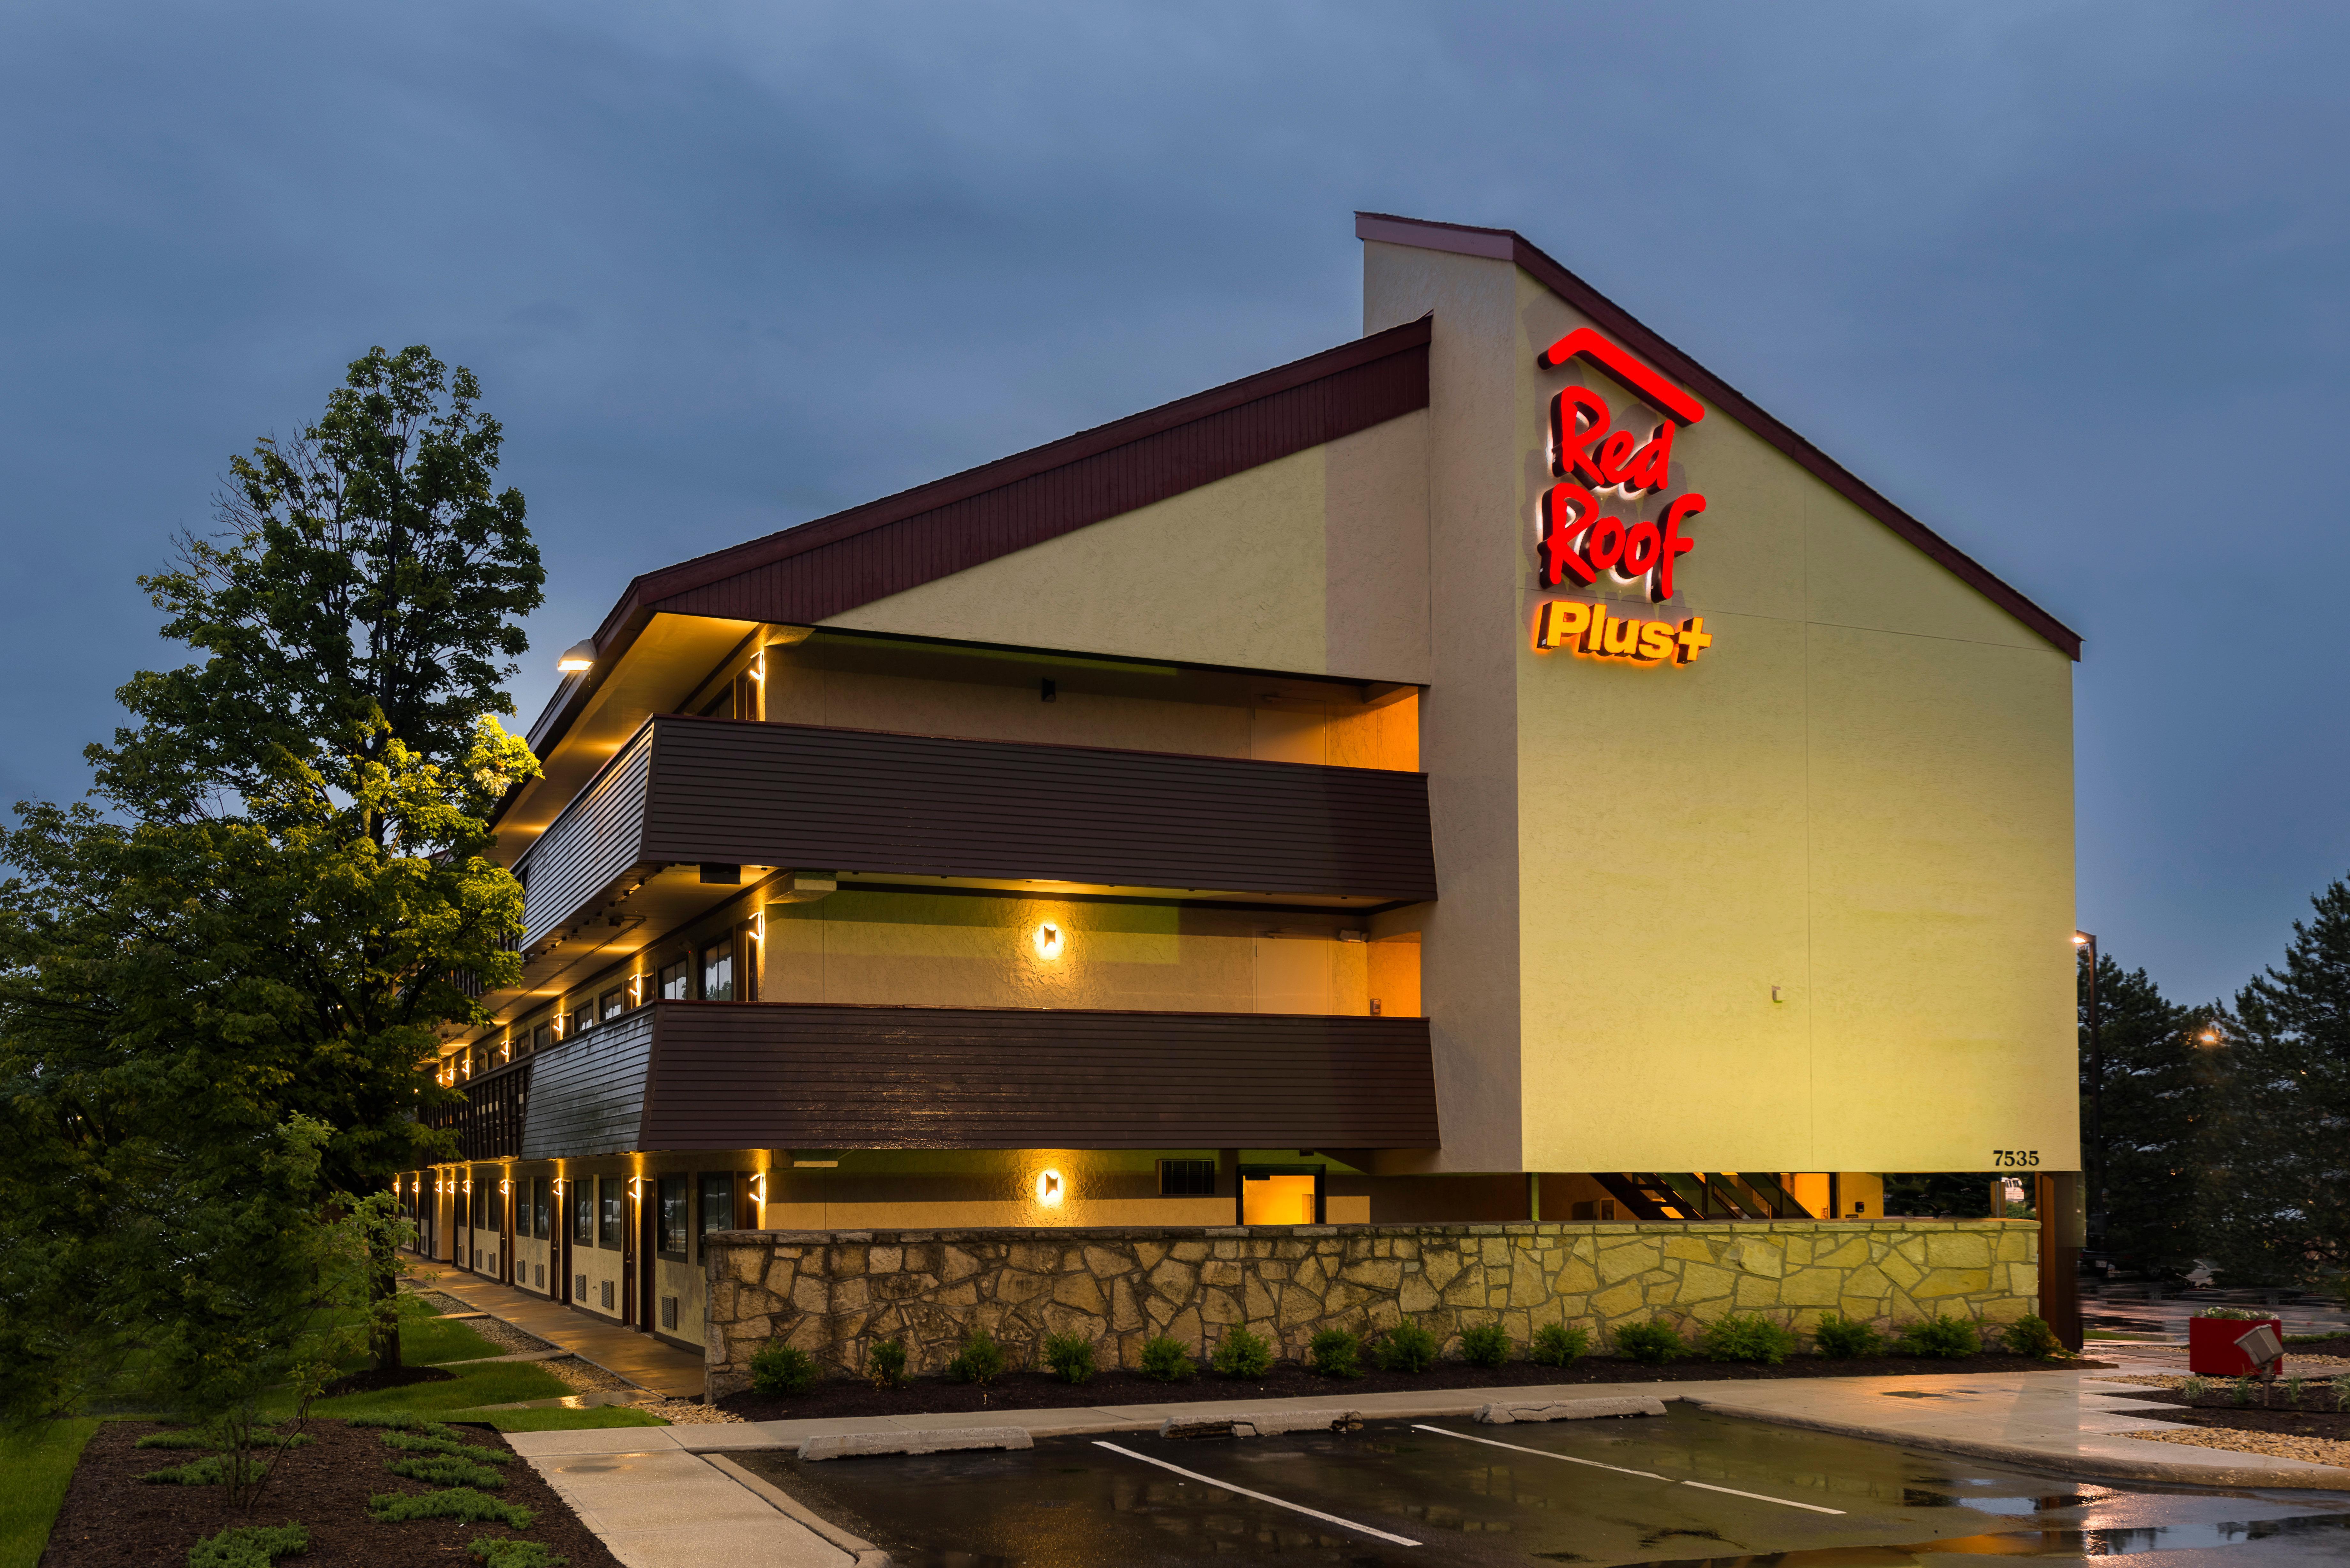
(584,1376)
(505,1335)
(692,1413)
(2276,1445)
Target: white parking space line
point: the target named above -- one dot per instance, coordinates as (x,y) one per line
(1243,1491)
(1542,1454)
(1758,1497)
(1619,1469)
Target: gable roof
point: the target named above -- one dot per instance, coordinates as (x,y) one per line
(1508,244)
(822,568)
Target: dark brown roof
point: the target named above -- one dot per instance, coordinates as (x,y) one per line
(818,569)
(1508,244)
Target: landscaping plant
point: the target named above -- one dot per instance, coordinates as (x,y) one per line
(1071,1356)
(2031,1335)
(1485,1346)
(885,1363)
(1748,1337)
(779,1369)
(1243,1353)
(981,1362)
(433,1443)
(1167,1361)
(1653,1342)
(1947,1337)
(511,1554)
(1334,1353)
(1842,1338)
(249,1546)
(445,1469)
(463,1503)
(1557,1344)
(1406,1348)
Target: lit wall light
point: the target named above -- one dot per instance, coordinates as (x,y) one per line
(1050,939)
(1050,1189)
(579,656)
(759,1189)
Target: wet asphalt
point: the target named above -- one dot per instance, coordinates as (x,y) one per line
(1685,1488)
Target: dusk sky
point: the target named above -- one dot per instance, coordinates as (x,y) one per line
(2067,282)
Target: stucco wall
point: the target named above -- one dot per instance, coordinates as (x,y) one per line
(835,1294)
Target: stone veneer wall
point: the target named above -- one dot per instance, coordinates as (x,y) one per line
(833,1292)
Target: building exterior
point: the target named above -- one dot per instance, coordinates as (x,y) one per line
(1490,771)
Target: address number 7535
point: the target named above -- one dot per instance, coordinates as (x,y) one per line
(2015,1157)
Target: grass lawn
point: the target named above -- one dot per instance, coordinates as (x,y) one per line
(555,1418)
(37,1464)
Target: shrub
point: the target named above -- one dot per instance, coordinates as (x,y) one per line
(178,1438)
(512,1553)
(886,1364)
(1653,1342)
(1406,1348)
(419,1443)
(2030,1335)
(458,1503)
(211,1470)
(1242,1354)
(2194,1388)
(445,1469)
(249,1546)
(1334,1353)
(1486,1345)
(1070,1355)
(982,1361)
(2235,1315)
(783,1369)
(1844,1337)
(397,1421)
(1167,1360)
(1947,1337)
(1555,1344)
(1749,1336)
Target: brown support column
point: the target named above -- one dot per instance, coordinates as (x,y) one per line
(2058,1202)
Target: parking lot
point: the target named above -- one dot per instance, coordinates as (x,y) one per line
(1684,1489)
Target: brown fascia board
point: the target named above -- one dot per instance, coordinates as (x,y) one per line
(1508,244)
(646,593)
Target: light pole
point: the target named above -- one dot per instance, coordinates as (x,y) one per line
(2096,1094)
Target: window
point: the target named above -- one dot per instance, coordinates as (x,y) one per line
(583,1214)
(1187,1179)
(611,1211)
(717,1202)
(479,1207)
(542,1037)
(583,1020)
(613,1004)
(677,982)
(675,1215)
(541,1207)
(718,972)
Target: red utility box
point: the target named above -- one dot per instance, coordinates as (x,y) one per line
(2211,1345)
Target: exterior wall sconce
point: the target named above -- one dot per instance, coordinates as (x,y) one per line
(636,989)
(1050,939)
(759,1189)
(1050,1189)
(579,656)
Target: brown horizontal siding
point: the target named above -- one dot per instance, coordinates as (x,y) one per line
(589,1097)
(596,838)
(759,1075)
(853,800)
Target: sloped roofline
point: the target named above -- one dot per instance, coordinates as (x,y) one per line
(1508,244)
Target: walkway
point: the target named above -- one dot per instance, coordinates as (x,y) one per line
(622,1352)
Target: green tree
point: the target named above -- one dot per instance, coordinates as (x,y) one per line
(2156,1097)
(273,920)
(2278,1207)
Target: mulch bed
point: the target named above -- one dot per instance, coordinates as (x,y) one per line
(2337,1346)
(1042,1391)
(2219,1408)
(113,1520)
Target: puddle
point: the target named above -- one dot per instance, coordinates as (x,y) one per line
(2094,1542)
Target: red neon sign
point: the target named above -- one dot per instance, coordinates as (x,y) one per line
(1589,455)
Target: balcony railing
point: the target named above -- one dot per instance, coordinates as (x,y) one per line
(726,1075)
(687,791)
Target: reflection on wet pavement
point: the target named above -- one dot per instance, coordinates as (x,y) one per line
(1685,1490)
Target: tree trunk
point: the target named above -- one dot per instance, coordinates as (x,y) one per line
(383,1304)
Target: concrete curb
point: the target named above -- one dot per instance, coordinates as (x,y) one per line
(1260,1423)
(948,1439)
(1567,1411)
(2305,1475)
(862,1552)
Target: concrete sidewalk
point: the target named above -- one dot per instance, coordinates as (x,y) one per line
(622,1352)
(2067,1422)
(664,1508)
